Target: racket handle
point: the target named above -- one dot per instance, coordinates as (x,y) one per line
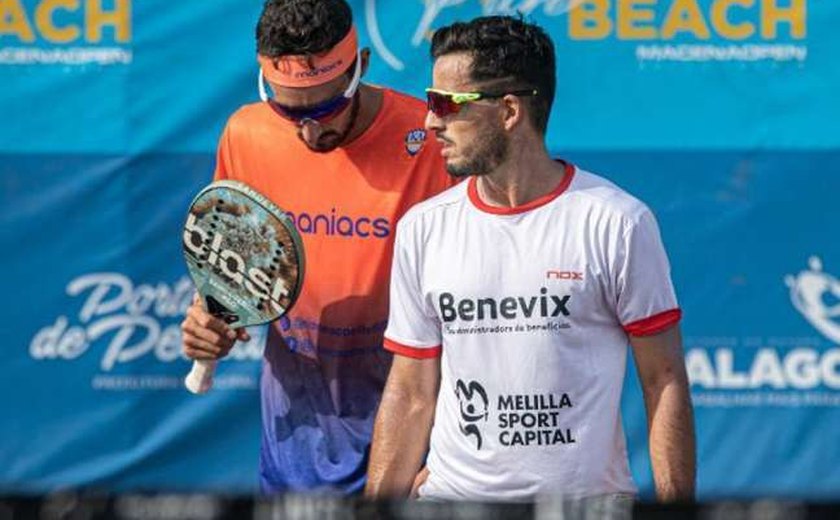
(200,378)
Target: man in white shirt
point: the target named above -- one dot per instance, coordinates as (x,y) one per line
(514,296)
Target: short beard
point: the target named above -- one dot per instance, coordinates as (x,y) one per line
(491,149)
(327,142)
(331,139)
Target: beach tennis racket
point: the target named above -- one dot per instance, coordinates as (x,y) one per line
(245,258)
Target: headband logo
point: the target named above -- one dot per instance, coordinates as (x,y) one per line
(309,70)
(317,71)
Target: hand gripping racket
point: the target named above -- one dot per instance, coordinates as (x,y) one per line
(245,258)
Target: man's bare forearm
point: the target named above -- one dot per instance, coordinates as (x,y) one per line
(661,367)
(401,432)
(672,442)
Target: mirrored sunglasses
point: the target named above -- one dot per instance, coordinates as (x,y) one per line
(443,103)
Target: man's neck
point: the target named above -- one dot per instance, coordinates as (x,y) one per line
(370,102)
(528,174)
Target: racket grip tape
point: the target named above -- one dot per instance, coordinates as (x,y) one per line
(200,378)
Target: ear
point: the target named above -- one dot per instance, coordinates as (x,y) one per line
(365,53)
(514,111)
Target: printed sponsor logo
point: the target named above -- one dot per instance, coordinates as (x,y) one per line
(776,371)
(66,32)
(810,292)
(800,368)
(564,275)
(742,374)
(124,323)
(336,224)
(533,420)
(414,141)
(473,403)
(510,314)
(317,71)
(230,264)
(663,30)
(317,340)
(509,308)
(523,420)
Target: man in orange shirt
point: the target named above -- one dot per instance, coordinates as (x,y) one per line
(346,160)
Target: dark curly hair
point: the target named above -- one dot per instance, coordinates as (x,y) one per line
(302,27)
(510,53)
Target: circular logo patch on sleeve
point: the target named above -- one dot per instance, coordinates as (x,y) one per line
(414,141)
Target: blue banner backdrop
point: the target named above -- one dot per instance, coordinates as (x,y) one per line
(721,114)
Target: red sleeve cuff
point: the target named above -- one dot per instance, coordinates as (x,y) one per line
(412,352)
(654,324)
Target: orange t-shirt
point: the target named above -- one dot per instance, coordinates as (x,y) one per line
(345,204)
(324,362)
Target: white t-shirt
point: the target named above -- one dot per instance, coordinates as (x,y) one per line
(530,310)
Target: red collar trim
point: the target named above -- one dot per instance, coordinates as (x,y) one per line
(472,192)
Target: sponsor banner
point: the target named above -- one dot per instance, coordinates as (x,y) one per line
(653,73)
(94,374)
(720,114)
(757,277)
(93,368)
(631,73)
(122,76)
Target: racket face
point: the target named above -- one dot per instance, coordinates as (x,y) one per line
(243,254)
